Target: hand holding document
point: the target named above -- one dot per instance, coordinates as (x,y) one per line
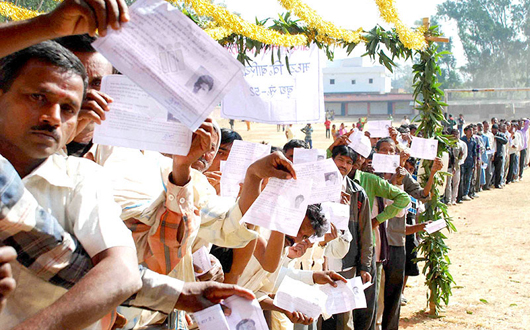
(136,120)
(378,128)
(435,226)
(281,206)
(385,163)
(246,314)
(301,155)
(339,299)
(423,148)
(326,177)
(360,144)
(172,59)
(357,287)
(338,214)
(296,296)
(201,259)
(241,156)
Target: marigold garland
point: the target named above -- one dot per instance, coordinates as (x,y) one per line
(234,23)
(218,33)
(227,23)
(411,39)
(323,27)
(16,13)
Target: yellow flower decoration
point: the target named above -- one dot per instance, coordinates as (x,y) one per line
(16,13)
(218,33)
(231,22)
(411,39)
(313,20)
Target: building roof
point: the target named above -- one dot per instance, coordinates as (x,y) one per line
(366,97)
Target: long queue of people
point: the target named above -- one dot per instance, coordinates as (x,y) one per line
(102,237)
(487,155)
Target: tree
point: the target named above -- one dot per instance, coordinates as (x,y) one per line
(495,35)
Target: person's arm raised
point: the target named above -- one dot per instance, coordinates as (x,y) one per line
(71,17)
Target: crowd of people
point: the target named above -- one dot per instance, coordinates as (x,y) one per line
(487,155)
(102,237)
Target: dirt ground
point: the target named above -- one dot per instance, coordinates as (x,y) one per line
(489,252)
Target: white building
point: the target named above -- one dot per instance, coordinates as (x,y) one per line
(353,87)
(355,75)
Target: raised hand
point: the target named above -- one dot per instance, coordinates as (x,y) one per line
(274,165)
(73,17)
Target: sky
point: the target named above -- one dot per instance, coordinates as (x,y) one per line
(352,14)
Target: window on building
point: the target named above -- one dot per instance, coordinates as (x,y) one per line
(370,81)
(353,82)
(332,81)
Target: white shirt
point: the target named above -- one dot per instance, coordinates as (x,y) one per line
(76,192)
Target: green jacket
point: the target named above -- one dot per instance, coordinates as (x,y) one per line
(376,186)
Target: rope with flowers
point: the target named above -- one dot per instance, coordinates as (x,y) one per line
(237,25)
(313,20)
(411,39)
(318,29)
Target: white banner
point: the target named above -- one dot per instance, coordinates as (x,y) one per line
(272,95)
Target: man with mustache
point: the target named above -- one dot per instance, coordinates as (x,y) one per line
(41,91)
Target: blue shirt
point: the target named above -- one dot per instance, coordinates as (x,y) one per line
(471,151)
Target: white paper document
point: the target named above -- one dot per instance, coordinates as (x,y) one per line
(246,314)
(281,206)
(338,300)
(302,155)
(241,156)
(357,287)
(296,296)
(172,59)
(211,318)
(136,120)
(378,128)
(360,144)
(270,94)
(385,163)
(337,213)
(327,180)
(435,226)
(423,148)
(201,259)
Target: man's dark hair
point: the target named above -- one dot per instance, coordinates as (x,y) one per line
(403,129)
(413,126)
(494,126)
(383,140)
(81,43)
(344,151)
(468,127)
(274,149)
(229,136)
(412,161)
(48,52)
(455,130)
(317,218)
(295,143)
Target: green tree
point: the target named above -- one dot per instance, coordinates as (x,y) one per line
(495,35)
